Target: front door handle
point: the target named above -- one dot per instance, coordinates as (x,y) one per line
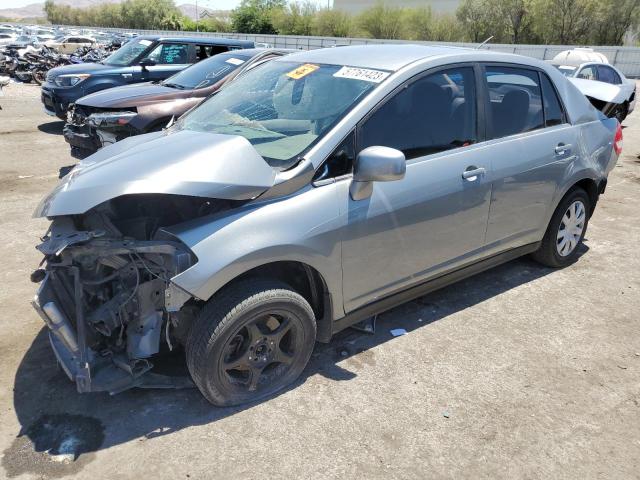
(472,173)
(562,148)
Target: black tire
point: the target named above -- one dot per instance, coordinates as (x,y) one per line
(39,76)
(548,254)
(622,111)
(236,324)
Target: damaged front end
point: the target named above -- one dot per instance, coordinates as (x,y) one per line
(106,292)
(88,129)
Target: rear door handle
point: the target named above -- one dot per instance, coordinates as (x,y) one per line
(561,149)
(471,173)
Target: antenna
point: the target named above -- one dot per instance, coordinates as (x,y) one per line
(484,43)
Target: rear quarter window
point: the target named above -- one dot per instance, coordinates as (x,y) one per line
(553,111)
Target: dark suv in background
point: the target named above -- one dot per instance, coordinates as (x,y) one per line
(143,59)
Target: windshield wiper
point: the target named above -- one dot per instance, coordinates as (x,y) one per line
(174,85)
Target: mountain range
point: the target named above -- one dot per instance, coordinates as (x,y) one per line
(36,10)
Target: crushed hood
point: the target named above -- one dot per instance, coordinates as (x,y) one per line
(179,163)
(602,91)
(131,95)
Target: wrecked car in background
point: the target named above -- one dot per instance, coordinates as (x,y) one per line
(143,59)
(605,86)
(306,196)
(108,116)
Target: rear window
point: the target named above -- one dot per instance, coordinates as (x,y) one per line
(515,101)
(608,75)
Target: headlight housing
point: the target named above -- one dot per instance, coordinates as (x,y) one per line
(71,79)
(110,119)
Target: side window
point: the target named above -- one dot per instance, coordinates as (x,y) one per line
(202,52)
(170,53)
(515,101)
(433,114)
(340,162)
(216,49)
(553,113)
(609,75)
(588,73)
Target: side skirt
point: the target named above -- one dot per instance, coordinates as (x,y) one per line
(421,289)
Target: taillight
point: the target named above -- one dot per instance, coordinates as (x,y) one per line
(617,141)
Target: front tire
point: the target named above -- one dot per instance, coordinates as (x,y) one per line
(566,230)
(249,341)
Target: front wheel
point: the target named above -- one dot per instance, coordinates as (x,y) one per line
(565,231)
(250,341)
(39,76)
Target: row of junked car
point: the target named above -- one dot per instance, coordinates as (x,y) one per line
(307,195)
(147,100)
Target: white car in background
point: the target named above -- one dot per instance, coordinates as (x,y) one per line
(7,38)
(605,86)
(71,43)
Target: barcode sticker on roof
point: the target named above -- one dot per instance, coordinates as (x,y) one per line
(235,61)
(368,75)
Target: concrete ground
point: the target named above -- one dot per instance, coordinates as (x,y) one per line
(520,372)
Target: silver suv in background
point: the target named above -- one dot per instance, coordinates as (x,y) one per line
(312,193)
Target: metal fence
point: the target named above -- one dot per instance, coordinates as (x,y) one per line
(627,59)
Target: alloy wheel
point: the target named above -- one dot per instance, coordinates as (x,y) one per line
(261,352)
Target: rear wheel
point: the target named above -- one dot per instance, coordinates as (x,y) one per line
(250,341)
(566,230)
(622,111)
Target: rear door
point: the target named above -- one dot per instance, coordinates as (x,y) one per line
(532,145)
(436,217)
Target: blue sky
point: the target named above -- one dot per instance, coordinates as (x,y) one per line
(214,4)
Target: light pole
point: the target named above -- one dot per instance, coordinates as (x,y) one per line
(197,15)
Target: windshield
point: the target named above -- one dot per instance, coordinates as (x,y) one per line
(281,108)
(566,70)
(207,72)
(127,53)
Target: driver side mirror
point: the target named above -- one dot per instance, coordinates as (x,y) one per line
(376,164)
(146,62)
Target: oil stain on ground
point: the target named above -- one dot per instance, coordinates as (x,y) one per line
(54,446)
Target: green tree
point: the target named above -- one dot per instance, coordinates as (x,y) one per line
(447,28)
(296,18)
(418,23)
(614,19)
(333,23)
(254,16)
(480,19)
(381,21)
(565,22)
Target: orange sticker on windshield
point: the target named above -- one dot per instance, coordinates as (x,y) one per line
(302,71)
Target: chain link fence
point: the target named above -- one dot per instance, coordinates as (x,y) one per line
(626,59)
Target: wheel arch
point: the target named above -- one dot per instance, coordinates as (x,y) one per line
(305,280)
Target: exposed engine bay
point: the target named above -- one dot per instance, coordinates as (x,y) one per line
(106,291)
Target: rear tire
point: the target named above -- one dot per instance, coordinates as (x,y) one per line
(565,231)
(622,111)
(249,341)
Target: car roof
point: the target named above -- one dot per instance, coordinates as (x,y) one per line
(384,57)
(205,40)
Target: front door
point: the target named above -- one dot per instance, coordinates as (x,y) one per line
(436,217)
(169,58)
